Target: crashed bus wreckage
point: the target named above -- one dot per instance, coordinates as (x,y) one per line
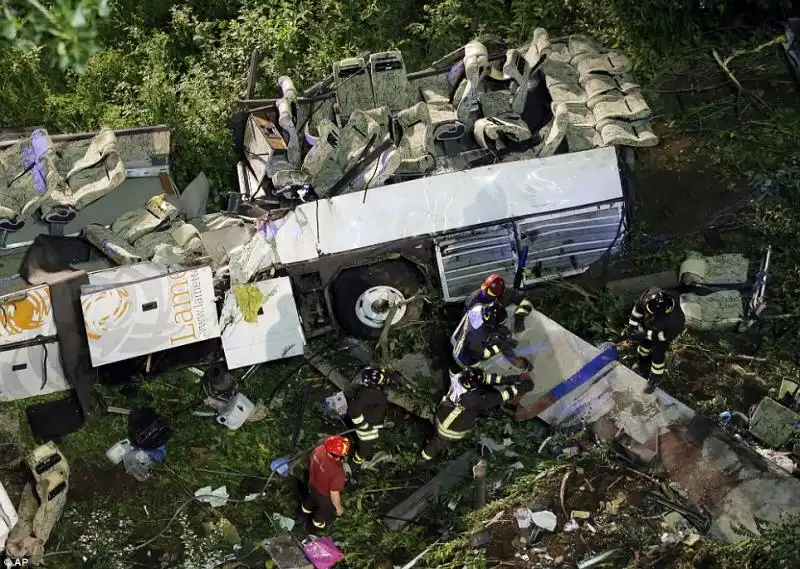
(354,197)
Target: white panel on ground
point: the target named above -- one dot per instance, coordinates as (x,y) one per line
(32,370)
(156,314)
(277,332)
(734,483)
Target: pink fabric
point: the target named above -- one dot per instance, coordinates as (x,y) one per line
(322,553)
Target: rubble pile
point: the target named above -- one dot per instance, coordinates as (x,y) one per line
(582,513)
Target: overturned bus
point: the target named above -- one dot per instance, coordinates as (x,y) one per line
(353,196)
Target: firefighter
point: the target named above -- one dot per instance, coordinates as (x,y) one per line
(326,481)
(367,409)
(472,391)
(656,320)
(493,289)
(480,335)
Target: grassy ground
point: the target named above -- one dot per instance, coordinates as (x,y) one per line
(715,140)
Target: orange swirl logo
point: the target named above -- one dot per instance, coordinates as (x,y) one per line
(27,314)
(102,311)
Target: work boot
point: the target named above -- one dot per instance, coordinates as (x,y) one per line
(651,387)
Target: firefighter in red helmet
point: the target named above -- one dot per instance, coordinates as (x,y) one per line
(494,290)
(326,481)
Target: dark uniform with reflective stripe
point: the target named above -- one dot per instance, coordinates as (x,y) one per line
(453,421)
(473,345)
(509,296)
(657,332)
(367,409)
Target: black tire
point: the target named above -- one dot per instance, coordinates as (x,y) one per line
(352,283)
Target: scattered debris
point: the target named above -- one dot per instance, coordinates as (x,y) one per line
(596,560)
(215,498)
(118,451)
(282,522)
(781,458)
(611,508)
(236,411)
(524,517)
(545,519)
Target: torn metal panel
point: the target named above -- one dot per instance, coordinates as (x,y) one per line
(220,243)
(733,482)
(276,333)
(485,195)
(194,198)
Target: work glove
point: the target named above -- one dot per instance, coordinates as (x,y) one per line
(526,375)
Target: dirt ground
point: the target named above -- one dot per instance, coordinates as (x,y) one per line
(606,509)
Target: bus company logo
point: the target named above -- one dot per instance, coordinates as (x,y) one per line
(24,562)
(25,315)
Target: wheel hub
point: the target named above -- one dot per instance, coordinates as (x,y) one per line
(374,305)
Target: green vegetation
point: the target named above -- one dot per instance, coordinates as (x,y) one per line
(184,63)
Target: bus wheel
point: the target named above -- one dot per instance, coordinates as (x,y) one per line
(363,296)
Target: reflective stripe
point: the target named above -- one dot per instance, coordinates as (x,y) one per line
(357,459)
(662,337)
(367,434)
(489,352)
(635,313)
(649,334)
(510,393)
(493,378)
(319,525)
(656,370)
(643,351)
(526,304)
(633,322)
(305,511)
(357,420)
(443,427)
(426,456)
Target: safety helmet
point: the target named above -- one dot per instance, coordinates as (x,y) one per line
(494,286)
(490,313)
(657,302)
(471,377)
(373,376)
(337,446)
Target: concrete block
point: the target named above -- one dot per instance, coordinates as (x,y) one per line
(772,423)
(286,553)
(416,504)
(631,288)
